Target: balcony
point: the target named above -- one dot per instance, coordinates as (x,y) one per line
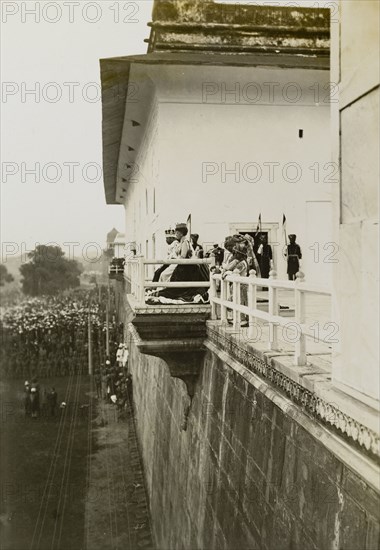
(236,305)
(298,311)
(116,269)
(284,335)
(175,331)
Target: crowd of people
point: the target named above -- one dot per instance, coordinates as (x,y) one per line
(48,336)
(113,383)
(240,254)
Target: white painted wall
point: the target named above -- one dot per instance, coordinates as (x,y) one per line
(356,276)
(197,137)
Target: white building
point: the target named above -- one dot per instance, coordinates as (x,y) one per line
(225,131)
(119,245)
(227,126)
(355,64)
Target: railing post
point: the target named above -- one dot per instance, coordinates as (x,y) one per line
(212,296)
(141,280)
(136,280)
(251,302)
(300,298)
(223,297)
(273,311)
(132,275)
(236,301)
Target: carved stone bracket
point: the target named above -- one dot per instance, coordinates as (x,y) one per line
(176,335)
(184,361)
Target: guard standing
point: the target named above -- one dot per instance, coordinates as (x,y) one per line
(294,255)
(264,256)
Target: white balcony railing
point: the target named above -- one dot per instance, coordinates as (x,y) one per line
(230,299)
(115,270)
(136,273)
(226,296)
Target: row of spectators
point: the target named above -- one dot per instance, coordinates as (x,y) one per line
(114,383)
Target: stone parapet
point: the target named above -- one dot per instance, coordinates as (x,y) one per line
(309,387)
(253,469)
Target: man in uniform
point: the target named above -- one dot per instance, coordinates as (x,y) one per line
(218,253)
(52,401)
(264,256)
(294,255)
(197,248)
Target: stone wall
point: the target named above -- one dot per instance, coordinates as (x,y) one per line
(245,473)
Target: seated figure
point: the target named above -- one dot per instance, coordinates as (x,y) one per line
(182,272)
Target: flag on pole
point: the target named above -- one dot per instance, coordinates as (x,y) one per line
(284,229)
(258,227)
(188,223)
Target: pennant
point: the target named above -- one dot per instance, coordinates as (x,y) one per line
(259,226)
(188,223)
(284,229)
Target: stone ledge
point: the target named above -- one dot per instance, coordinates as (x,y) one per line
(309,387)
(168,323)
(168,308)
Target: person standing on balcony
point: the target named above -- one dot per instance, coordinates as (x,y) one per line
(218,253)
(238,265)
(294,255)
(229,245)
(264,256)
(244,244)
(196,247)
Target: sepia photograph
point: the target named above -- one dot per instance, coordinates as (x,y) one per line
(189,292)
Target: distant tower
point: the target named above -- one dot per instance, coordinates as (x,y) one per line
(111,236)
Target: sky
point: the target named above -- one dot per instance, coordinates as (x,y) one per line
(51,182)
(57,130)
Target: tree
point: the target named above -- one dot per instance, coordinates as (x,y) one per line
(5,277)
(49,272)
